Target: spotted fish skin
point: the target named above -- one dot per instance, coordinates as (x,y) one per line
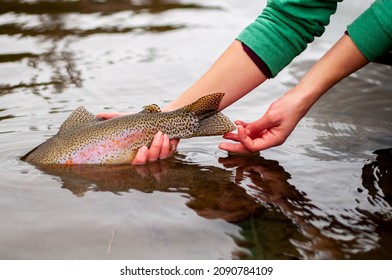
(84,139)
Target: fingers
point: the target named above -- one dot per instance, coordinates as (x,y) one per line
(141,156)
(156,146)
(252,129)
(234,136)
(248,141)
(165,149)
(233,148)
(231,136)
(245,145)
(260,126)
(174,144)
(245,140)
(161,148)
(239,122)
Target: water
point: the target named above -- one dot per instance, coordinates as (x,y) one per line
(323,194)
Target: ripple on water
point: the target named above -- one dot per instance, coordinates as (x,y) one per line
(316,196)
(354,118)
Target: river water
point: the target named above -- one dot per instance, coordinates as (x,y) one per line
(324,194)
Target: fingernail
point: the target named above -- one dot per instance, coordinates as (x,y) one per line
(158,136)
(144,150)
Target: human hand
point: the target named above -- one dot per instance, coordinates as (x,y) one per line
(161,146)
(272,129)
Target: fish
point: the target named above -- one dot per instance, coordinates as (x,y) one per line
(85,139)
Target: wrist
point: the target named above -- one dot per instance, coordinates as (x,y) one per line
(302,99)
(339,62)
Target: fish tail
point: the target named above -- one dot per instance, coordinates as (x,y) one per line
(211,122)
(216,124)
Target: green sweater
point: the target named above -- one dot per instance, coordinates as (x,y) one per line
(285,27)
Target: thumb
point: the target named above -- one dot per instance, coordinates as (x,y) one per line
(260,125)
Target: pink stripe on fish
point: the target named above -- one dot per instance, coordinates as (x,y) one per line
(106,150)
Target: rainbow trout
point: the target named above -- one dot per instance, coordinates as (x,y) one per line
(84,139)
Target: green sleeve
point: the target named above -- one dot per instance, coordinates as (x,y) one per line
(284,28)
(371,32)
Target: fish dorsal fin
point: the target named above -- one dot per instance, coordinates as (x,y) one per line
(152,108)
(78,118)
(204,105)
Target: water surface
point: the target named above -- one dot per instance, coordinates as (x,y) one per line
(325,193)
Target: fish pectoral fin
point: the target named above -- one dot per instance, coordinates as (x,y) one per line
(152,108)
(78,118)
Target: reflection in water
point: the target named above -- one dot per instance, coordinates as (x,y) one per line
(207,187)
(212,194)
(93,6)
(377,180)
(377,177)
(51,46)
(267,181)
(61,61)
(56,25)
(277,220)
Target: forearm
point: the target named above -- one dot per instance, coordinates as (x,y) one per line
(234,74)
(340,61)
